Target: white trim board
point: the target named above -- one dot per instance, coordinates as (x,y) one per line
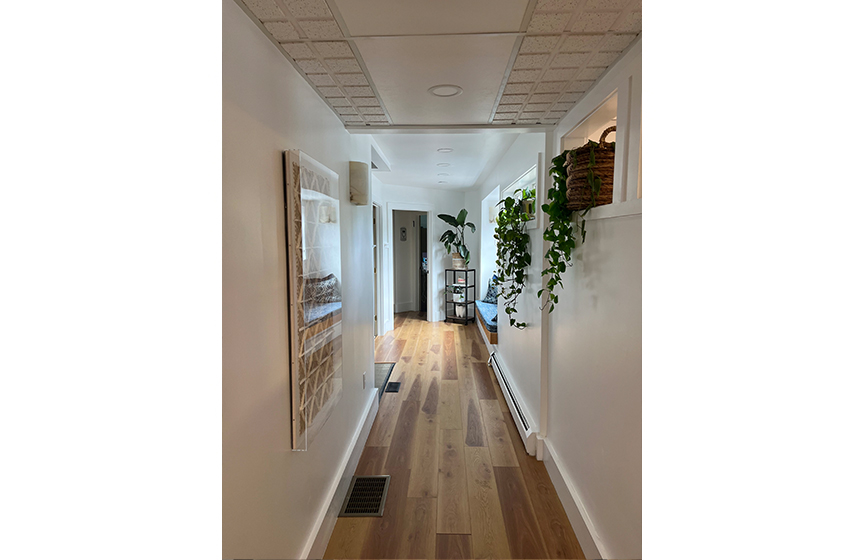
(529,436)
(317,542)
(585,531)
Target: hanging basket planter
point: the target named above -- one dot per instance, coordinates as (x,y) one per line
(579,193)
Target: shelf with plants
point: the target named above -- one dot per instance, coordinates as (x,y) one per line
(460,295)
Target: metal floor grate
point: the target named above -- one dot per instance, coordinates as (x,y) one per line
(393,387)
(366,496)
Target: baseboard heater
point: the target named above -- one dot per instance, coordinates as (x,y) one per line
(526,431)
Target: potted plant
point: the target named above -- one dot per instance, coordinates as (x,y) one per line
(514,251)
(456,239)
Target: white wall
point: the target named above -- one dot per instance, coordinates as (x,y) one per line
(488,247)
(273,497)
(519,351)
(433,201)
(406,261)
(595,342)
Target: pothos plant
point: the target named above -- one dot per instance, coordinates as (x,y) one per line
(559,233)
(514,256)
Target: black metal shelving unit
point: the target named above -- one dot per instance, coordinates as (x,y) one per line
(465,279)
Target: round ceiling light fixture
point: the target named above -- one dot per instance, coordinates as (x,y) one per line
(442,182)
(445,150)
(443,174)
(445,90)
(443,165)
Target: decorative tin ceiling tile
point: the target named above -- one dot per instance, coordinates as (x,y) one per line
(581,85)
(282,30)
(604,58)
(308,8)
(330,91)
(606,5)
(559,74)
(548,23)
(532,115)
(594,22)
(510,116)
(544,97)
(359,91)
(527,121)
(581,43)
(630,22)
(343,65)
(538,44)
(365,101)
(524,76)
(570,60)
(549,121)
(556,114)
(547,87)
(265,9)
(590,73)
(376,118)
(321,29)
(352,79)
(509,108)
(562,107)
(334,49)
(352,118)
(298,50)
(339,102)
(570,97)
(617,42)
(311,66)
(537,107)
(346,110)
(517,88)
(371,110)
(555,6)
(530,61)
(518,98)
(321,79)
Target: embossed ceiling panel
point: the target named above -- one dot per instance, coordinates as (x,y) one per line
(517,61)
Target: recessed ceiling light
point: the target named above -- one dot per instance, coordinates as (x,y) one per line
(443,174)
(441,182)
(443,165)
(445,150)
(445,90)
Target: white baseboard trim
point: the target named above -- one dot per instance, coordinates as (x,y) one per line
(585,531)
(317,542)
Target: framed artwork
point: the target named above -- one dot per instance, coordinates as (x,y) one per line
(314,267)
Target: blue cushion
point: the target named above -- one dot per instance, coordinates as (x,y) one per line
(486,312)
(491,292)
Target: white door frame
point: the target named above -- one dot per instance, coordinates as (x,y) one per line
(381,323)
(431,303)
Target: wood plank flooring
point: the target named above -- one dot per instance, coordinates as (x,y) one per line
(461,483)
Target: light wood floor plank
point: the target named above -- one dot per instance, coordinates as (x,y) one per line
(483,381)
(523,533)
(402,443)
(453,546)
(488,535)
(418,538)
(424,459)
(453,516)
(449,406)
(348,537)
(385,423)
(448,367)
(497,436)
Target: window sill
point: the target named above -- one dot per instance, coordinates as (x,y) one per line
(617,210)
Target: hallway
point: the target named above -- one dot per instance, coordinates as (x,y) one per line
(461,484)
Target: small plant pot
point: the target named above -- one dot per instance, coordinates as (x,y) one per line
(458,262)
(460,298)
(460,311)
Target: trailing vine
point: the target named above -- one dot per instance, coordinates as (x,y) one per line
(514,256)
(559,233)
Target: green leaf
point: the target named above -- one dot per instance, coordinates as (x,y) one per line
(449,219)
(461,217)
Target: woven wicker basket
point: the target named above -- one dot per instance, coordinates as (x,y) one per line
(578,192)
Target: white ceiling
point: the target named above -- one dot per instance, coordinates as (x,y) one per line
(519,62)
(414,158)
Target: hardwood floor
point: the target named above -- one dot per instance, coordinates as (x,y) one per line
(461,483)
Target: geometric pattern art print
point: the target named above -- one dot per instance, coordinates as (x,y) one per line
(314,270)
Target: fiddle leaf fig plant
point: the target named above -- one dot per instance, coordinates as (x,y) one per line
(456,239)
(514,255)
